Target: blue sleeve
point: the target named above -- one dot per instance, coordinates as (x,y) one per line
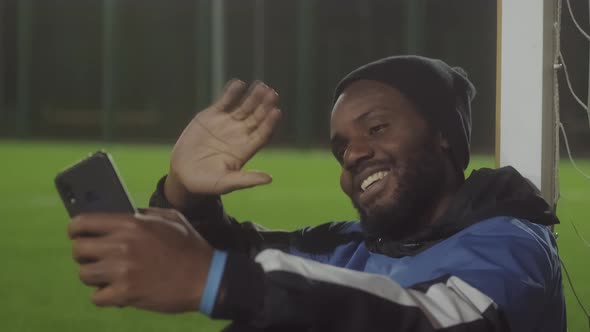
(213,280)
(516,264)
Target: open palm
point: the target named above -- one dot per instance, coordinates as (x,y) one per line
(209,155)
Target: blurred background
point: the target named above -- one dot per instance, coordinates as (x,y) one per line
(129,70)
(127,75)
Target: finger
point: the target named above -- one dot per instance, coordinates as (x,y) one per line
(268,103)
(253,99)
(261,135)
(110,296)
(233,91)
(85,250)
(96,274)
(99,224)
(242,180)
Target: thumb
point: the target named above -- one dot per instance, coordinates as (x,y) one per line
(241,180)
(109,296)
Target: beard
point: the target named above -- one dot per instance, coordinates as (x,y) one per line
(420,181)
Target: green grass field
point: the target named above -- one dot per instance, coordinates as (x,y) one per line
(39,287)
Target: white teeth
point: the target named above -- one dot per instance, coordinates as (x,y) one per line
(372,179)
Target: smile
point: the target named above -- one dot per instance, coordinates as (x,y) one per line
(372,179)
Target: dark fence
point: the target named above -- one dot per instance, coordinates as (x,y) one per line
(137,70)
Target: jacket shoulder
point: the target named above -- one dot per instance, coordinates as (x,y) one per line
(324,238)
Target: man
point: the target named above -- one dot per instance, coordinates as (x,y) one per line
(433,251)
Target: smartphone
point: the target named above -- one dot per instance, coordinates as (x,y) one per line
(93,185)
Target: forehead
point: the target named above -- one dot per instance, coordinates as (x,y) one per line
(364,96)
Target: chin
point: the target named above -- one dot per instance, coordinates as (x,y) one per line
(385,220)
(378,211)
(381,217)
(398,214)
(386,215)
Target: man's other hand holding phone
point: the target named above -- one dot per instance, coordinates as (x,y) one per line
(153,261)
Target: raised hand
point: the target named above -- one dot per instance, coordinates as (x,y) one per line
(210,153)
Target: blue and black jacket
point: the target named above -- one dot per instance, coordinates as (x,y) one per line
(489,264)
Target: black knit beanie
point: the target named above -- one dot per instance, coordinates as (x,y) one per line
(441,93)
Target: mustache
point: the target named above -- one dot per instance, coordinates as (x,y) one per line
(393,162)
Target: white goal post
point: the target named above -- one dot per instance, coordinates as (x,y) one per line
(525,121)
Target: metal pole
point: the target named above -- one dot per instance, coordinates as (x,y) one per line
(304,114)
(259,39)
(24,26)
(218,44)
(415,21)
(203,53)
(527,57)
(498,82)
(548,141)
(107,68)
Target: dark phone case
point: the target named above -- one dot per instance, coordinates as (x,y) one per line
(93,185)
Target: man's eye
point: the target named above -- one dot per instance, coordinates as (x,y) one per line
(377,129)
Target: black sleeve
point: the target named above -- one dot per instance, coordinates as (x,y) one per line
(207,215)
(224,232)
(280,292)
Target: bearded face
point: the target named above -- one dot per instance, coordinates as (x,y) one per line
(392,162)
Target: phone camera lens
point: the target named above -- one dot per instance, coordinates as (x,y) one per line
(69,194)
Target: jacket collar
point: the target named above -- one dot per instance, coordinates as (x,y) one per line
(486,193)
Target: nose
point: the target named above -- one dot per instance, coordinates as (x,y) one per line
(358,151)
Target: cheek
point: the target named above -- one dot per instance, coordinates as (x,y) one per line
(346,182)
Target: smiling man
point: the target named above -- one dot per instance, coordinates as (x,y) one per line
(394,164)
(432,251)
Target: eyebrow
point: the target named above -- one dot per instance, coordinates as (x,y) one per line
(372,110)
(338,139)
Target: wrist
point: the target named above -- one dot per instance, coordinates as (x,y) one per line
(210,288)
(175,192)
(242,291)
